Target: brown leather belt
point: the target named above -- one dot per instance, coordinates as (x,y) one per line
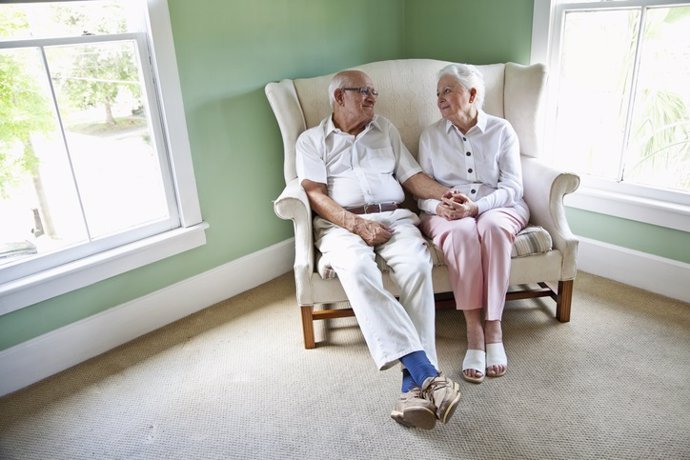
(372,208)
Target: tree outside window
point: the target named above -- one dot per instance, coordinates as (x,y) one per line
(80,152)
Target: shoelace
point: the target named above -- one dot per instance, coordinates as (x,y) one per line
(437,384)
(413,393)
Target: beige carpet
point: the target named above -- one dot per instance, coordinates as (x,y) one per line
(234,381)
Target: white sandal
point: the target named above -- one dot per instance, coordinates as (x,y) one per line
(496,356)
(475,360)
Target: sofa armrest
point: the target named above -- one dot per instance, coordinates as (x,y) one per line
(293,204)
(544,190)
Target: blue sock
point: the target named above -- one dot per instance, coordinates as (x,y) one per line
(419,366)
(408,382)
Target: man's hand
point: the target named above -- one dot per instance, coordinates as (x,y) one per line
(373,233)
(455,196)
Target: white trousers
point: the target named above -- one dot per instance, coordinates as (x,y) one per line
(391,328)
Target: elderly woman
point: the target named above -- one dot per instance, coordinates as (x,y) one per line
(477,155)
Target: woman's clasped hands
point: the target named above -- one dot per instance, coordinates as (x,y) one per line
(456,205)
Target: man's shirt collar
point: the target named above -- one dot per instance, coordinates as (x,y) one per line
(329,127)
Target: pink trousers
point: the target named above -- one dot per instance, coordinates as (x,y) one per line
(477,253)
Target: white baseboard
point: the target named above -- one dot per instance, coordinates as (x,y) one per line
(55,351)
(663,276)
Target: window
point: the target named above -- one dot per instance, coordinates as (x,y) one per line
(618,109)
(94,173)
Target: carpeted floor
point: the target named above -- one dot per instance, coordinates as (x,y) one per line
(234,381)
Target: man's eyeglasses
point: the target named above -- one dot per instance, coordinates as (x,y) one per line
(363,90)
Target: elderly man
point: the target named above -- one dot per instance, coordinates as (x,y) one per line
(352,166)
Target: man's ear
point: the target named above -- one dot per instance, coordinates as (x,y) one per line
(473,94)
(338,96)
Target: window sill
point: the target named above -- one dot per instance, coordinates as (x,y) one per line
(649,211)
(84,272)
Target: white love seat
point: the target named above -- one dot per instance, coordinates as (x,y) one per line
(544,255)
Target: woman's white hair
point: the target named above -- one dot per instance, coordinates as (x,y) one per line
(469,77)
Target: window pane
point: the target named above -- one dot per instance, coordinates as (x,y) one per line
(39,206)
(58,19)
(596,65)
(659,147)
(103,176)
(111,145)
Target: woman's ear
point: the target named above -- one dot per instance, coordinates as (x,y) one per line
(473,94)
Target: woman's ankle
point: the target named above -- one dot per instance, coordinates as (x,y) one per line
(475,330)
(493,333)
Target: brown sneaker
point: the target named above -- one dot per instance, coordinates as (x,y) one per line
(444,394)
(412,410)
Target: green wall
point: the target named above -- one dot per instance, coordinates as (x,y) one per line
(477,32)
(652,239)
(227,51)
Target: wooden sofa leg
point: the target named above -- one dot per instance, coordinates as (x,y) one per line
(308,326)
(565,298)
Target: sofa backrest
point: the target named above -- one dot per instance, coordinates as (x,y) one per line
(407,97)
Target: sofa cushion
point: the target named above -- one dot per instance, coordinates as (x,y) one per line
(531,240)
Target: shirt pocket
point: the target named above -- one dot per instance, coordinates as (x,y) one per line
(339,163)
(380,161)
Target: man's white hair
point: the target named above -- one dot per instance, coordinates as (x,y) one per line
(341,79)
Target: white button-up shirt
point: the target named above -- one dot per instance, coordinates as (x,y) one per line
(484,164)
(358,170)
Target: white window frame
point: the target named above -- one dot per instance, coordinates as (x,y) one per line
(620,199)
(52,282)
